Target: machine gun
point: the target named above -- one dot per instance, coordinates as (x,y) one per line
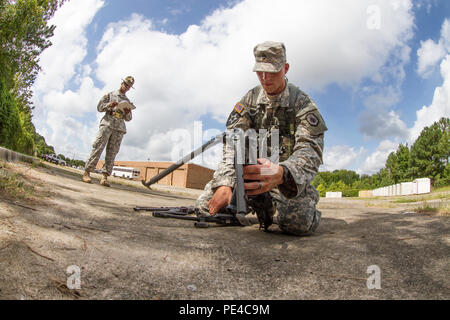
(234,214)
(200,220)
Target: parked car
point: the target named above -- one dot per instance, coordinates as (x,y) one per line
(54,159)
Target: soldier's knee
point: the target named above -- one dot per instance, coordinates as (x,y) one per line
(202,205)
(98,143)
(102,138)
(301,221)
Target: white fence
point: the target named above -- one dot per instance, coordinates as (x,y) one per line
(334,195)
(418,186)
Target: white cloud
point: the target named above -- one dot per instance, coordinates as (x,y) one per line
(71,135)
(428,58)
(60,61)
(340,157)
(430,53)
(205,70)
(378,120)
(73,103)
(58,110)
(440,107)
(389,125)
(382,125)
(426,116)
(377,159)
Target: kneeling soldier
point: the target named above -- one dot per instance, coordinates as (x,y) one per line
(275,105)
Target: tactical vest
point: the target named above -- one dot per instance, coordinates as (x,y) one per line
(281,118)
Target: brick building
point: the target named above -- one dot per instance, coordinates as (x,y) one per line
(187,176)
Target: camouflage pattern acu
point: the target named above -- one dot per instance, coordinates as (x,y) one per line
(301,129)
(301,133)
(270,56)
(112,140)
(297,216)
(110,134)
(114,119)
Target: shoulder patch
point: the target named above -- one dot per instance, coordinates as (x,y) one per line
(233,118)
(312,119)
(313,122)
(239,107)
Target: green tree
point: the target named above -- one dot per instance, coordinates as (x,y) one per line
(430,152)
(391,165)
(367,182)
(337,187)
(322,190)
(403,159)
(323,178)
(444,142)
(41,146)
(345,176)
(24,34)
(397,164)
(10,124)
(327,178)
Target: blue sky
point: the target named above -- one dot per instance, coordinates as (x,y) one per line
(370,66)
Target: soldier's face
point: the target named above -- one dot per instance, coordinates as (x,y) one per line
(124,87)
(273,83)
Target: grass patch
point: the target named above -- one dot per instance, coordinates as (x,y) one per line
(442,209)
(13,185)
(442,189)
(406,200)
(440,196)
(379,204)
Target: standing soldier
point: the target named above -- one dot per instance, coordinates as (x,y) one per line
(275,105)
(111,131)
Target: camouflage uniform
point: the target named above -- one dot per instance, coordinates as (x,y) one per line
(110,134)
(301,132)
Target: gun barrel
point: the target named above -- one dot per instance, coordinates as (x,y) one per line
(165,214)
(223,219)
(216,140)
(179,210)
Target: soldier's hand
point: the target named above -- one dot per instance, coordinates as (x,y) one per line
(221,198)
(112,104)
(266,175)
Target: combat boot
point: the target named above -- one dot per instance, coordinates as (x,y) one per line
(86,178)
(104,181)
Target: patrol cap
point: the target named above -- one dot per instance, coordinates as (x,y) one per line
(129,81)
(270,56)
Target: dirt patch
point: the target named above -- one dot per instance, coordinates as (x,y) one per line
(69,228)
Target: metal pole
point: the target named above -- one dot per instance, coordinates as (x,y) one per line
(216,140)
